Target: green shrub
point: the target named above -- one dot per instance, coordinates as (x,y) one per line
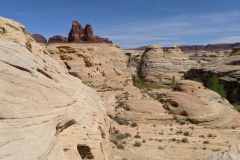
(237,106)
(143,141)
(137,144)
(173,83)
(206,142)
(197,79)
(215,84)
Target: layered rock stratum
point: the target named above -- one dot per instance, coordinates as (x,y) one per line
(45,113)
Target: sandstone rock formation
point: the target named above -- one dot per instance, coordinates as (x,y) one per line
(39,38)
(158,67)
(235,51)
(80,35)
(45,112)
(58,39)
(206,106)
(175,53)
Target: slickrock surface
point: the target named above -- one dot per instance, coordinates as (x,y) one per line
(45,113)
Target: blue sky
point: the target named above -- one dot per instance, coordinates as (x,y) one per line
(131,23)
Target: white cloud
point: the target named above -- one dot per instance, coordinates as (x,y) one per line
(230,39)
(170,30)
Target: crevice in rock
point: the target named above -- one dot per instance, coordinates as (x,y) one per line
(2,30)
(44,73)
(19,67)
(68,67)
(85,152)
(61,127)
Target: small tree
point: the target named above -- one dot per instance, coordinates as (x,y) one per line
(173,84)
(215,84)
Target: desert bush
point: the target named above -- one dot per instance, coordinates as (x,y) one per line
(120,120)
(137,136)
(120,136)
(210,135)
(134,124)
(120,146)
(184,140)
(186,133)
(127,135)
(143,141)
(205,142)
(137,144)
(173,83)
(161,148)
(114,141)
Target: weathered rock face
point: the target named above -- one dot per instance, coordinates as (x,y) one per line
(226,69)
(58,39)
(79,35)
(88,32)
(76,33)
(157,67)
(39,38)
(45,112)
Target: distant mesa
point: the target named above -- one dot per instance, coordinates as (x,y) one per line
(58,39)
(39,38)
(77,34)
(195,48)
